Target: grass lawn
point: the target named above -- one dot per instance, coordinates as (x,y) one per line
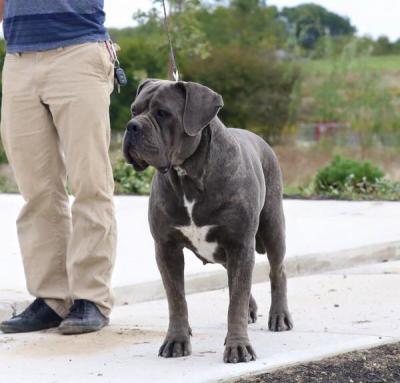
(390,63)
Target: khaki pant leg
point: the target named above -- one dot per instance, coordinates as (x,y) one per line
(79,99)
(32,146)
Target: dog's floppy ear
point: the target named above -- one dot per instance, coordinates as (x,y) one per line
(145,82)
(202,105)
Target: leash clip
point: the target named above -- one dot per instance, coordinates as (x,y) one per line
(175,74)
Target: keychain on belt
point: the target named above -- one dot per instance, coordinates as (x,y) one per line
(119,73)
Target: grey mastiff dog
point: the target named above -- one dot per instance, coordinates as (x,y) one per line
(217,192)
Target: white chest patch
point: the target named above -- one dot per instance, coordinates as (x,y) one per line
(197,235)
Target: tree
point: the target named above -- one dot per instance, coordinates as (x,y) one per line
(310,22)
(186,33)
(243,23)
(228,48)
(383,46)
(256,88)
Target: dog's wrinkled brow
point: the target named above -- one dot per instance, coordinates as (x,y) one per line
(139,106)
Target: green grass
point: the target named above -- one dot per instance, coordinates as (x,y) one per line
(389,63)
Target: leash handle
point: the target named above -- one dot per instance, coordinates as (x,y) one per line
(175,72)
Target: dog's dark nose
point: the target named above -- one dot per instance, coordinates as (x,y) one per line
(133,127)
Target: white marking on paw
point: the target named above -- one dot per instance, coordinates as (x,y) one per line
(197,235)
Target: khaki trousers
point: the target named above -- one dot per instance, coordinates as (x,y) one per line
(55,122)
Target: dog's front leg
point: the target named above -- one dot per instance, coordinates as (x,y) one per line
(171,264)
(240,264)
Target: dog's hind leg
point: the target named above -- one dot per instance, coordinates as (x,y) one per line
(271,239)
(253,308)
(170,262)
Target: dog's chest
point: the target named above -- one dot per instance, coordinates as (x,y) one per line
(197,235)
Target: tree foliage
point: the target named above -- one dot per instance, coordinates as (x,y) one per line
(231,46)
(228,48)
(256,88)
(310,22)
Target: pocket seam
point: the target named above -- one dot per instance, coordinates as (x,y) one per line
(106,61)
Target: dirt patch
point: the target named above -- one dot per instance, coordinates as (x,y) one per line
(51,344)
(377,365)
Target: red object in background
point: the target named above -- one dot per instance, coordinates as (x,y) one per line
(326,129)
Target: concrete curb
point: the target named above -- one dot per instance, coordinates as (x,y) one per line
(295,266)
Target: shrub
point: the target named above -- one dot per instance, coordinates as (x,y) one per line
(343,175)
(7,185)
(3,157)
(257,89)
(129,181)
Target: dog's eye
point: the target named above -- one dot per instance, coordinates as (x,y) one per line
(162,113)
(133,113)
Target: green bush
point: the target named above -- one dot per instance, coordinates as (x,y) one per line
(257,89)
(129,181)
(349,180)
(7,185)
(343,174)
(3,157)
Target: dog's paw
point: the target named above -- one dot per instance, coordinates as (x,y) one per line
(175,346)
(280,321)
(252,311)
(239,352)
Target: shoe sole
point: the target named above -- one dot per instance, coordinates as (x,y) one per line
(76,330)
(14,330)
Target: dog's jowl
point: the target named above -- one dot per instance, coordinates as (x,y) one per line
(217,192)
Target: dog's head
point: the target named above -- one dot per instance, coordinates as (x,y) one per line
(167,120)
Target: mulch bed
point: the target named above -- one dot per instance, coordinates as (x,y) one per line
(376,365)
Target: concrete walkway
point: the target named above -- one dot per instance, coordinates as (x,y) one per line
(313,227)
(333,312)
(321,236)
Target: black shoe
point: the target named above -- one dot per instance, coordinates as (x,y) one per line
(83,317)
(38,316)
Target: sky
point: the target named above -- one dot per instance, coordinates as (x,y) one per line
(370,17)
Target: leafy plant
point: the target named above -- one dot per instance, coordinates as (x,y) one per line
(129,181)
(350,180)
(343,173)
(7,185)
(258,90)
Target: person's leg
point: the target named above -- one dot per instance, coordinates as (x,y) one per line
(78,92)
(32,146)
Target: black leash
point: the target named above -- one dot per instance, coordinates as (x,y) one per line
(175,72)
